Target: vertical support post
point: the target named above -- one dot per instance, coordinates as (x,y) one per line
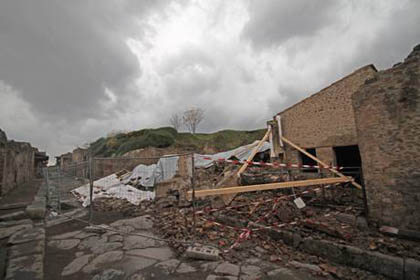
(59,189)
(193,195)
(270,137)
(278,118)
(90,189)
(48,186)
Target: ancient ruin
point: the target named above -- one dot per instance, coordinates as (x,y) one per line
(387,114)
(329,191)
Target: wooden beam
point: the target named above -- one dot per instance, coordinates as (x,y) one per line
(227,198)
(264,187)
(320,162)
(254,152)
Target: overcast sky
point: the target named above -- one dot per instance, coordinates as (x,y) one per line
(72,71)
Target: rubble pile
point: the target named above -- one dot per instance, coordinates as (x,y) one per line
(109,204)
(335,213)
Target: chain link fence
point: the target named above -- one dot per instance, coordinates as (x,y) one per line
(104,184)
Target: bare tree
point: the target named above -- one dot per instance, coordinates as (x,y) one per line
(192,117)
(176,121)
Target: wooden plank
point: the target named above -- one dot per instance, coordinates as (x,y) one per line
(273,186)
(227,198)
(254,152)
(320,162)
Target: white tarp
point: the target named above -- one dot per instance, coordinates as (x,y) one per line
(149,175)
(241,153)
(142,174)
(111,186)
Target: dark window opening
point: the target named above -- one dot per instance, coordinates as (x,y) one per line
(305,160)
(348,157)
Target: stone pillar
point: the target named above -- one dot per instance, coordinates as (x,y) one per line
(387,111)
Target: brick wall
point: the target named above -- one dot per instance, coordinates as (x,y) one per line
(387,110)
(325,119)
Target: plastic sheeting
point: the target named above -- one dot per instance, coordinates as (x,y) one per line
(144,174)
(241,153)
(111,186)
(150,175)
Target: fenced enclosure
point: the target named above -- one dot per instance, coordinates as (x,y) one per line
(105,180)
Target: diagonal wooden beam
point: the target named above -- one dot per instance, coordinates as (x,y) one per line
(320,162)
(273,186)
(254,152)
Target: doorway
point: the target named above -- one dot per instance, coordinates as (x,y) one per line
(348,157)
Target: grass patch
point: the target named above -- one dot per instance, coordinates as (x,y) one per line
(163,137)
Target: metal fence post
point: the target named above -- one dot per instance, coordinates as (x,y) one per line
(90,189)
(59,189)
(48,186)
(193,195)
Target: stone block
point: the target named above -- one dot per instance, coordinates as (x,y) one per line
(26,267)
(27,235)
(19,215)
(389,266)
(36,210)
(6,232)
(76,265)
(203,253)
(29,248)
(412,269)
(227,268)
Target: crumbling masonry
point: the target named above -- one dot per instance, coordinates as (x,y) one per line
(19,162)
(387,111)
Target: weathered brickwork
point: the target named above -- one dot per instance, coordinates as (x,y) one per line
(325,119)
(387,110)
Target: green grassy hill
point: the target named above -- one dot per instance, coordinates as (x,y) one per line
(164,137)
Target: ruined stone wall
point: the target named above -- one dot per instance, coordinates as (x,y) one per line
(387,110)
(2,166)
(79,155)
(18,165)
(325,119)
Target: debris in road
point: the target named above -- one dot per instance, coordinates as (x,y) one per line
(202,253)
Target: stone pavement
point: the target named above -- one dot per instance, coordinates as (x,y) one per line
(124,251)
(23,240)
(25,249)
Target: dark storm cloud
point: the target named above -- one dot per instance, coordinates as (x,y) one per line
(241,61)
(273,22)
(395,40)
(190,74)
(61,55)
